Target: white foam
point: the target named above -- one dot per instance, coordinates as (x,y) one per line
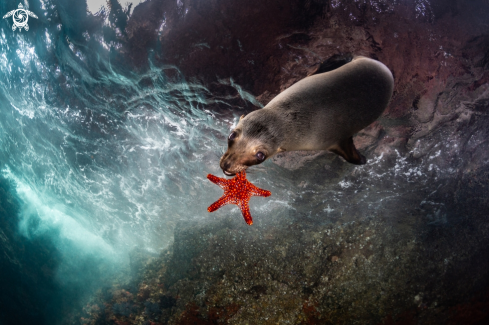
(94,6)
(55,216)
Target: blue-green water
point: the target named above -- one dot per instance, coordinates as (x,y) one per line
(99,158)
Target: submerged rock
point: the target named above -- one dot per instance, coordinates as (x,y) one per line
(401,240)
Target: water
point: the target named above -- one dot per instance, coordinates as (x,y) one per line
(99,158)
(96,149)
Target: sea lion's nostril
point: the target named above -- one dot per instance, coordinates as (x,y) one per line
(226,165)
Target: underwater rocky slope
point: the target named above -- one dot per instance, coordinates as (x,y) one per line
(110,122)
(401,240)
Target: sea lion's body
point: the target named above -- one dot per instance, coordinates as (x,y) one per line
(320,112)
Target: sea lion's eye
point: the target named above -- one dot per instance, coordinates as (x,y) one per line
(260,156)
(232,136)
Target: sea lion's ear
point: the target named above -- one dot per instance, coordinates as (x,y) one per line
(242,116)
(279,150)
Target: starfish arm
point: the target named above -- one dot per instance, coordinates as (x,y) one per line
(245,210)
(255,191)
(219,203)
(8,14)
(217,180)
(237,190)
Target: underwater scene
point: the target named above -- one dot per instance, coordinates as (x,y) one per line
(244,162)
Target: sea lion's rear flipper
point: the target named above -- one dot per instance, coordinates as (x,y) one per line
(332,63)
(347,150)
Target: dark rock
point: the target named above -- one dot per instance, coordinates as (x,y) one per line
(151,309)
(124,308)
(403,239)
(167,302)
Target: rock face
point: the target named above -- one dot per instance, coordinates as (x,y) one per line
(436,51)
(401,240)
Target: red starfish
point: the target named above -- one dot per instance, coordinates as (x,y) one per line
(237,191)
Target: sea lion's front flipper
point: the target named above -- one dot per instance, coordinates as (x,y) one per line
(332,63)
(347,150)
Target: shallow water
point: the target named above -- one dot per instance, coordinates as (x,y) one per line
(98,151)
(99,157)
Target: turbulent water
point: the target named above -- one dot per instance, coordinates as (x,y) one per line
(102,158)
(111,158)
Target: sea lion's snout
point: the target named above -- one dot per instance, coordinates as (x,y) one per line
(248,145)
(228,173)
(225,166)
(233,161)
(229,164)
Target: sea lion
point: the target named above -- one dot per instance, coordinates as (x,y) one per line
(320,112)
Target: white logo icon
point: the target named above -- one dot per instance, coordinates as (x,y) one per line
(20,16)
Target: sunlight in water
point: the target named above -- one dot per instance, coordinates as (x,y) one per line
(94,6)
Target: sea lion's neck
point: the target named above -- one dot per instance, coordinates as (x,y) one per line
(286,127)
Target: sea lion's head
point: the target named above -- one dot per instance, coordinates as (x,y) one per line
(254,140)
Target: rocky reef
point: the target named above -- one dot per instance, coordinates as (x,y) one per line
(401,240)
